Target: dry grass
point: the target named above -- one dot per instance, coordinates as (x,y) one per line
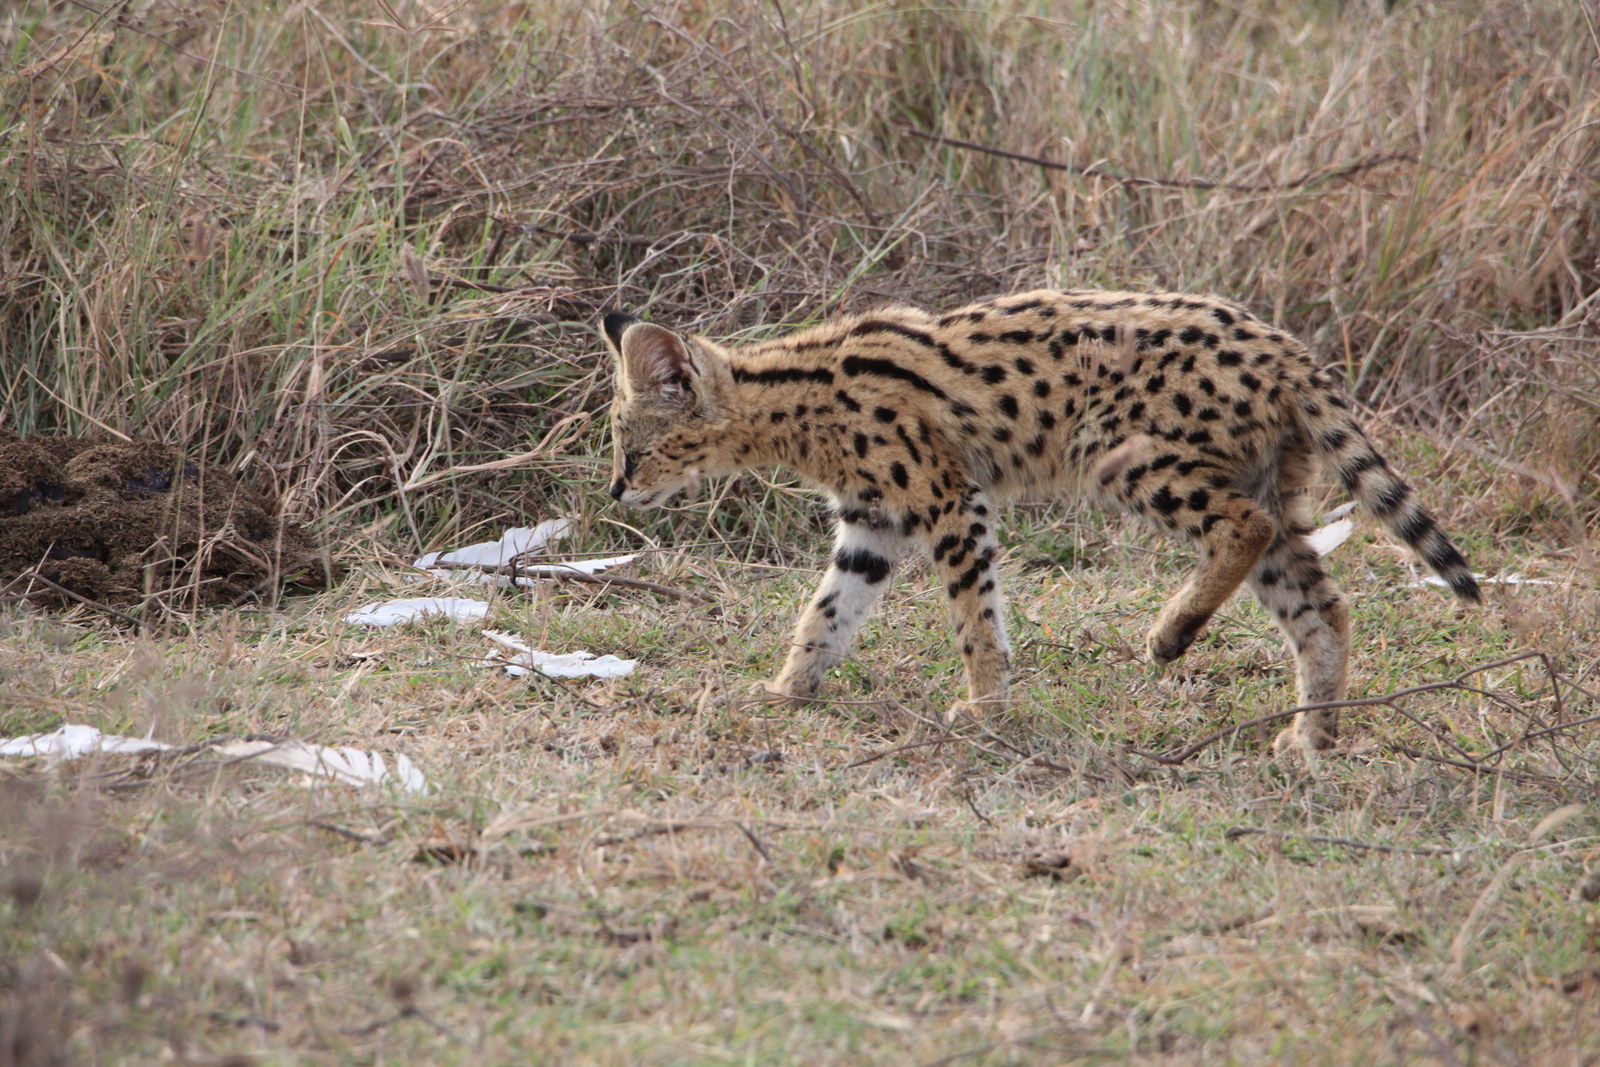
(260,234)
(645,871)
(346,249)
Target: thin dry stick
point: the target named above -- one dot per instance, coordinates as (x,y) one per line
(896,750)
(1236,832)
(1477,768)
(1307,178)
(1173,759)
(1211,739)
(579,238)
(33,72)
(1020,757)
(365,837)
(556,573)
(1560,710)
(572,424)
(35,576)
(1024,757)
(1549,732)
(755,842)
(560,683)
(409,1012)
(702,822)
(653,831)
(973,804)
(574,304)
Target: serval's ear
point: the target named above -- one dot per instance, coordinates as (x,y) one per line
(655,358)
(613,326)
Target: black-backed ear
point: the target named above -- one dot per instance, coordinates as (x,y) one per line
(615,324)
(655,357)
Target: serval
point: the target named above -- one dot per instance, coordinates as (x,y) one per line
(1187,411)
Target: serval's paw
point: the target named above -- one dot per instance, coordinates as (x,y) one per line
(981,710)
(1302,742)
(774,692)
(1169,639)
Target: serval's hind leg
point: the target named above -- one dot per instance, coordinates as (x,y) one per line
(1189,495)
(1306,603)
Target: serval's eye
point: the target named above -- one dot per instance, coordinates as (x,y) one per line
(630,463)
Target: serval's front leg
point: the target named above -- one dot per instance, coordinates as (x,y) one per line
(965,550)
(864,555)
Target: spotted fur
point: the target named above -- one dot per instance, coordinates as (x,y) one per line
(1187,411)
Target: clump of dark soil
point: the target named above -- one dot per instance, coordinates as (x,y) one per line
(122,521)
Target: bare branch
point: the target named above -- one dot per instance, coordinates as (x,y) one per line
(1308,178)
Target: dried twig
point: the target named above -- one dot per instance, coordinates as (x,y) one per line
(897,749)
(1390,700)
(755,842)
(1310,176)
(567,304)
(558,573)
(35,576)
(408,1012)
(1235,832)
(653,831)
(1019,756)
(371,836)
(580,238)
(973,804)
(1412,752)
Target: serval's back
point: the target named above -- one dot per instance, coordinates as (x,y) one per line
(1185,410)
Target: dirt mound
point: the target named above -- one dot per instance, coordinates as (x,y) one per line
(122,521)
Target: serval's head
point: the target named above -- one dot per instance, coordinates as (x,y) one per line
(668,418)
